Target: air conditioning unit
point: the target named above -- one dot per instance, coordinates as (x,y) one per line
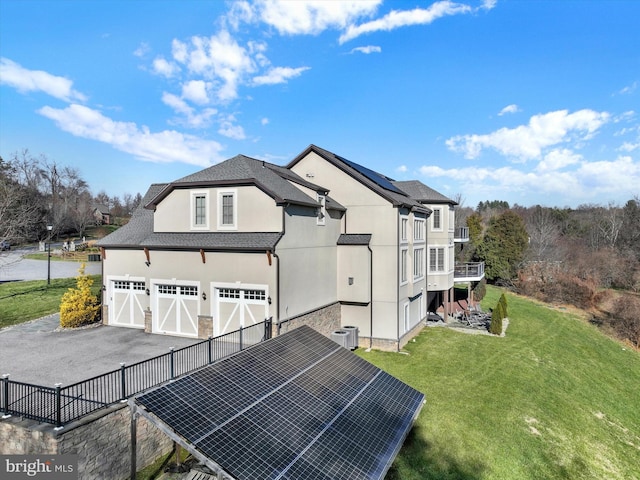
(353,336)
(341,337)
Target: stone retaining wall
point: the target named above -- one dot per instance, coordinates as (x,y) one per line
(102,442)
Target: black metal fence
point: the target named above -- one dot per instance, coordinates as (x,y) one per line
(60,405)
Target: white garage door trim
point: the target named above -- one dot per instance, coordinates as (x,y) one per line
(247,304)
(127,301)
(176,307)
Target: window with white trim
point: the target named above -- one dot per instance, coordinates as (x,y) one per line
(418,263)
(227,210)
(418,229)
(436,259)
(436,219)
(404,254)
(404,228)
(199,210)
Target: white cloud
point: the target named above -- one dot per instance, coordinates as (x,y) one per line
(160,147)
(165,68)
(417,16)
(264,121)
(402,169)
(25,80)
(190,117)
(279,75)
(219,58)
(229,129)
(528,141)
(629,146)
(367,50)
(557,160)
(312,17)
(142,50)
(196,91)
(513,108)
(629,89)
(582,183)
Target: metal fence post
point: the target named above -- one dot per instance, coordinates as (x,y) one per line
(240,337)
(209,342)
(123,381)
(58,405)
(172,366)
(5,396)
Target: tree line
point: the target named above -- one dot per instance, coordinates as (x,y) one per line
(587,256)
(37,192)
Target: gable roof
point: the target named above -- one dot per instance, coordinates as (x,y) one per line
(242,170)
(377,182)
(138,233)
(422,193)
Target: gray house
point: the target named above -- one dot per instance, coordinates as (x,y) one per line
(323,241)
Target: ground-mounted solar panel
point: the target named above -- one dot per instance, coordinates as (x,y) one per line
(297,406)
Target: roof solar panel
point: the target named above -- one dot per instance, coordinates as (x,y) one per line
(375,177)
(295,407)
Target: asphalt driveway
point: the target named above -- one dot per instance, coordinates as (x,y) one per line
(15,268)
(37,352)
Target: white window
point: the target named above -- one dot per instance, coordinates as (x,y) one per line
(418,229)
(321,210)
(436,259)
(418,263)
(227,210)
(199,211)
(404,229)
(404,254)
(436,219)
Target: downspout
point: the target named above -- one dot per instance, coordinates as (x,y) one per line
(370,297)
(398,267)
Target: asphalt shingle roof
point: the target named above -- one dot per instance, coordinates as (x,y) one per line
(354,239)
(421,192)
(241,170)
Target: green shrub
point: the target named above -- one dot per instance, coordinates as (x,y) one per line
(79,306)
(503,301)
(495,327)
(480,290)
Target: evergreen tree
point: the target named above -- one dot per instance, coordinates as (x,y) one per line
(503,247)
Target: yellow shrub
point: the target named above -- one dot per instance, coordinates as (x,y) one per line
(78,305)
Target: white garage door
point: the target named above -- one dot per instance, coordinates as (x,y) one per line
(176,309)
(239,306)
(126,304)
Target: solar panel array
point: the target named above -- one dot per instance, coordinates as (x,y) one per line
(378,178)
(298,406)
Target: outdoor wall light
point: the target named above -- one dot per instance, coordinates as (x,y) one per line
(269,300)
(147,291)
(147,263)
(204,296)
(104,288)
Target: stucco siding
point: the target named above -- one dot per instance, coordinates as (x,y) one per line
(256,211)
(307,256)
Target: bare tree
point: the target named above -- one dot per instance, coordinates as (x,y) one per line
(544,233)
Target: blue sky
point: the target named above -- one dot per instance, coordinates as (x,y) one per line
(532,102)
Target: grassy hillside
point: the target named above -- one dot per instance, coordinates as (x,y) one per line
(554,399)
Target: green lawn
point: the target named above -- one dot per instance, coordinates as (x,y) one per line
(24,301)
(554,399)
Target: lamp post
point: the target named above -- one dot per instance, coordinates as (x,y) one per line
(49,228)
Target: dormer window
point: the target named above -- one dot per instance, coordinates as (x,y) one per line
(199,214)
(227,210)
